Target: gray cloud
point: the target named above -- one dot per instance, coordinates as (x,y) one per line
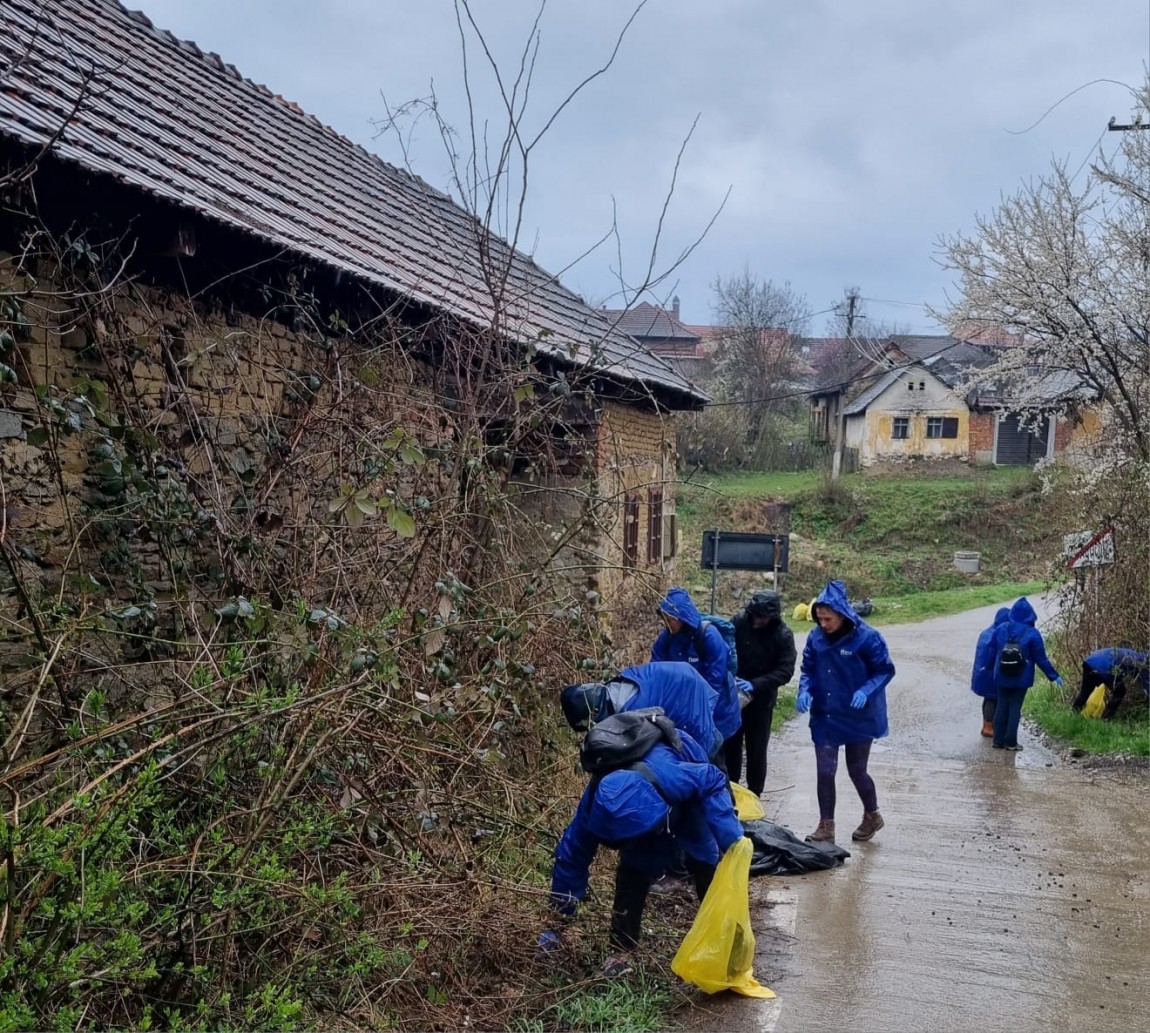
(850,135)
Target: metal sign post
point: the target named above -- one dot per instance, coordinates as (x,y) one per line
(736,550)
(714,566)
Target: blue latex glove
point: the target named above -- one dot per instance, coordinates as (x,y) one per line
(549,941)
(803,702)
(1058,681)
(858,700)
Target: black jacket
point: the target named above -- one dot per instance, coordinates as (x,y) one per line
(766,655)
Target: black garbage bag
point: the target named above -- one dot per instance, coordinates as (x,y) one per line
(778,851)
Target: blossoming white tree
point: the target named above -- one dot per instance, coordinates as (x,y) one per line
(1068,269)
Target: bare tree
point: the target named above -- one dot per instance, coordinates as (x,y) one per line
(756,361)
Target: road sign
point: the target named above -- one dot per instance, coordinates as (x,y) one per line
(1088,548)
(742,551)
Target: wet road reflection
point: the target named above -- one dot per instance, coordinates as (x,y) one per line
(1006,892)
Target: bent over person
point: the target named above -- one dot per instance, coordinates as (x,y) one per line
(677,688)
(676,801)
(1115,668)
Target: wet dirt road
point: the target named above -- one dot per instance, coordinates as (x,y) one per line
(1008,891)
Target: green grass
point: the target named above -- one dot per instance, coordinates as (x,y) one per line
(923,606)
(1128,733)
(635,1004)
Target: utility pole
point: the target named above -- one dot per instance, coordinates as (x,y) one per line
(837,458)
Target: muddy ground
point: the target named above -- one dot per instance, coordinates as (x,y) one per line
(1008,891)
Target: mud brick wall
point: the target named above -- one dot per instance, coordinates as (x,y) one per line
(636,455)
(237,426)
(244,423)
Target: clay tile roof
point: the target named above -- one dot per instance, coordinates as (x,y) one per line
(645,320)
(164,117)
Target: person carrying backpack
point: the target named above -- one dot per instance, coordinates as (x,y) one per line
(673,800)
(678,688)
(765,648)
(1018,649)
(689,638)
(982,673)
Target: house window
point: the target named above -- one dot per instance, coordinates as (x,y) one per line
(922,385)
(630,530)
(910,385)
(655,525)
(942,427)
(901,429)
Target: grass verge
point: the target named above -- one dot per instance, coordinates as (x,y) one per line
(1127,734)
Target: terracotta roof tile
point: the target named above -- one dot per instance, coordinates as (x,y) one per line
(164,117)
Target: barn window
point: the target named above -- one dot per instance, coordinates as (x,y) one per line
(655,525)
(631,530)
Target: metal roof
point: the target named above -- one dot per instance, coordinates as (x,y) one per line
(162,116)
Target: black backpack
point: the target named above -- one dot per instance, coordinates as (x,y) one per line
(1011,660)
(622,739)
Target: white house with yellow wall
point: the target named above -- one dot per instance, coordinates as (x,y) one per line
(908,413)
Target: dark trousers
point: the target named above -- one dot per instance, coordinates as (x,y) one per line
(631,888)
(1091,679)
(1007,715)
(756,735)
(988,708)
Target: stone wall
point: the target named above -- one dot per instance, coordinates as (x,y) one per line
(227,423)
(200,453)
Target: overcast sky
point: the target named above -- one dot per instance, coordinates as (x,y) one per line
(850,135)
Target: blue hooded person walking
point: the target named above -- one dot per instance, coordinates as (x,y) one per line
(1018,649)
(982,673)
(687,638)
(844,674)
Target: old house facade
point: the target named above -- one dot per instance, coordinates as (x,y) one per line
(206,287)
(904,399)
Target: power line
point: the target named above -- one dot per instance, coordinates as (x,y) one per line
(878,374)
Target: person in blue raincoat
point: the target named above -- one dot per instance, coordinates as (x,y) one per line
(844,674)
(678,688)
(679,802)
(686,639)
(1020,630)
(1115,668)
(982,673)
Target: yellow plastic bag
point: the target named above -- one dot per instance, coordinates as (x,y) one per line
(718,953)
(801,612)
(747,806)
(1095,703)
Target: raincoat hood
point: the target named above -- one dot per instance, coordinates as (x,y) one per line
(625,806)
(1002,616)
(835,596)
(581,703)
(765,604)
(677,603)
(1023,613)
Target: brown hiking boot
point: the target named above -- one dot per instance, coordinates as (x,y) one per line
(870,824)
(825,833)
(987,729)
